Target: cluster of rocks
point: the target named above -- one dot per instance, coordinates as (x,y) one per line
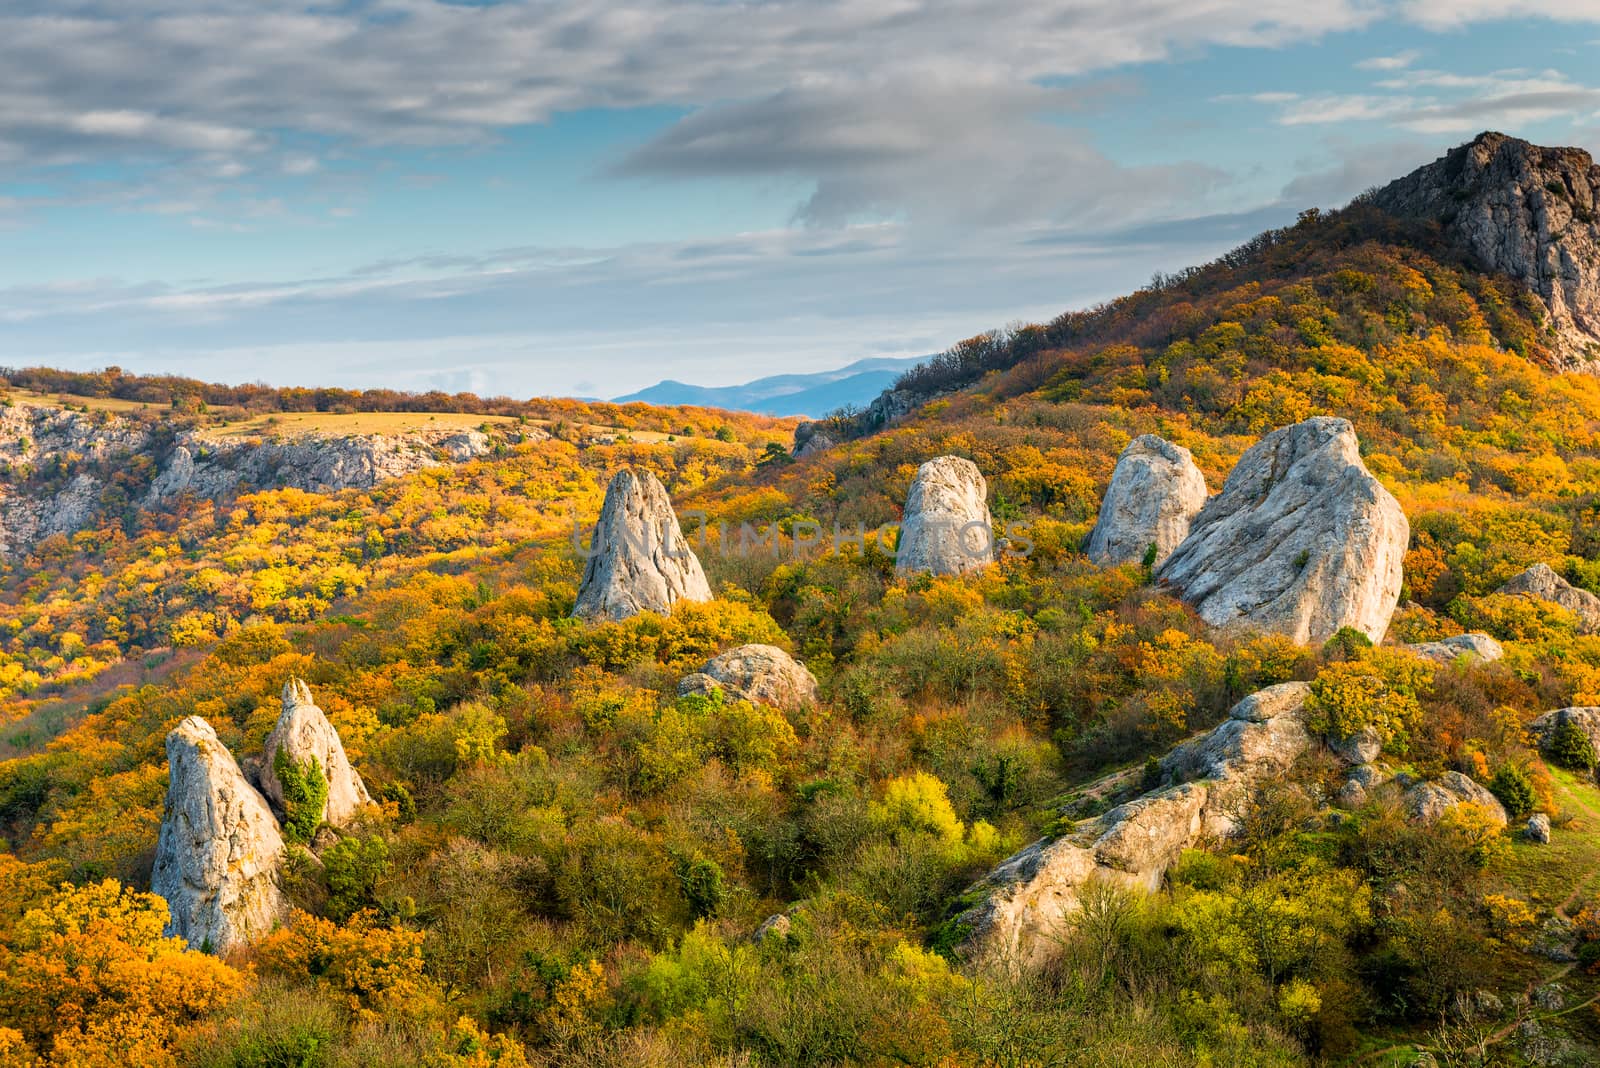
(1302,540)
(220,850)
(1207,783)
(196,462)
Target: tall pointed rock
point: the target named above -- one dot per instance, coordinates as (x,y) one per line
(639,561)
(305,734)
(946,529)
(219,850)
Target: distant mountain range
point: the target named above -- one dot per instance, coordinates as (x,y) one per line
(812,395)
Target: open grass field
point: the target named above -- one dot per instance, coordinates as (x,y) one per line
(237,423)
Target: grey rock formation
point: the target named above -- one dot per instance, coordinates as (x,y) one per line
(639,561)
(1527,212)
(205,464)
(763,674)
(1362,747)
(1029,895)
(1369,776)
(776,926)
(1449,650)
(946,529)
(1156,491)
(305,734)
(812,438)
(1538,829)
(1586,719)
(1351,795)
(1301,541)
(1427,802)
(219,849)
(1540,581)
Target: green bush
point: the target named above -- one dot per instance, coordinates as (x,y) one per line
(1513,789)
(353,867)
(305,795)
(1571,747)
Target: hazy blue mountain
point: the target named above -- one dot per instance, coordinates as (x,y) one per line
(812,395)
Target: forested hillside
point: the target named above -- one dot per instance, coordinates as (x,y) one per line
(567,861)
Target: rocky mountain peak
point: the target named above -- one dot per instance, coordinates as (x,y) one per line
(1525,211)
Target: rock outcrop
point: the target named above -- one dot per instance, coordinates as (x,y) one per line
(763,674)
(1537,829)
(303,733)
(1449,650)
(1530,213)
(1586,719)
(639,561)
(811,438)
(946,529)
(214,467)
(93,446)
(1028,896)
(1156,491)
(1301,541)
(1427,802)
(1540,581)
(219,849)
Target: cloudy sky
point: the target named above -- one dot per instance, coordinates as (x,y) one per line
(585,196)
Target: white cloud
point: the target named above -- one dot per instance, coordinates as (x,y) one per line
(1398,61)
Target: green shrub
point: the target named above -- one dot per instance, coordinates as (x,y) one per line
(1571,747)
(353,867)
(305,795)
(1513,789)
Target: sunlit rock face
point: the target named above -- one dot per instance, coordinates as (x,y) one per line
(1301,541)
(219,850)
(1527,212)
(762,674)
(946,529)
(1542,583)
(1028,897)
(1155,493)
(639,560)
(304,734)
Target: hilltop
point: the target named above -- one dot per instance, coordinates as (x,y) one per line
(602,840)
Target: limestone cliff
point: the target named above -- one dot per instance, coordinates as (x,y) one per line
(1524,211)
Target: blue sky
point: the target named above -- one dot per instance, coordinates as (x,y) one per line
(585,197)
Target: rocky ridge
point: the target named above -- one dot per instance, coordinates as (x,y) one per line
(58,465)
(1525,211)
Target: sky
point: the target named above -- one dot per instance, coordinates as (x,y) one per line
(582,198)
